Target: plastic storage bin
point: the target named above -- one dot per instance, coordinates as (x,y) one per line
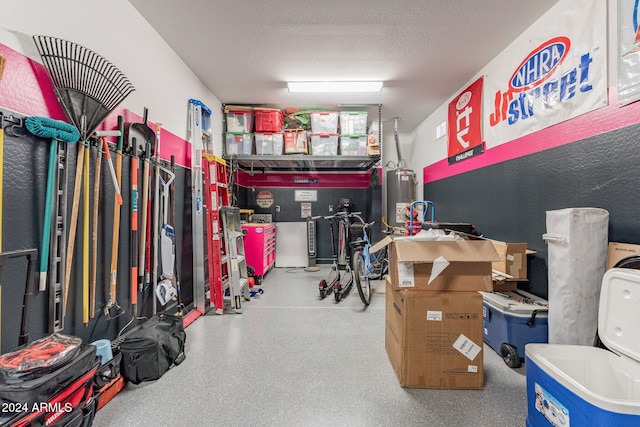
(573,385)
(269,143)
(239,144)
(324,144)
(512,320)
(353,122)
(295,141)
(240,121)
(268,120)
(324,122)
(353,145)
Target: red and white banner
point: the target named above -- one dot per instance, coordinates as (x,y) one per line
(464,124)
(556,70)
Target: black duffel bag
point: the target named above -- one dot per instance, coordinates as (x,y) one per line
(152,348)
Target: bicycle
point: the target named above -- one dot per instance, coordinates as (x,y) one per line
(367,266)
(338,283)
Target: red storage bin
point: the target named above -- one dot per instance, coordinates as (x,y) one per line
(268,120)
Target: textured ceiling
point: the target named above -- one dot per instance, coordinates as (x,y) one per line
(424,50)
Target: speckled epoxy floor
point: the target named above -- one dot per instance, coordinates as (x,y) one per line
(291,359)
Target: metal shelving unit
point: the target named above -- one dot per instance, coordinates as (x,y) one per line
(305,162)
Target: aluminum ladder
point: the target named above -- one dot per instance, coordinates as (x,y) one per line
(237,280)
(200,139)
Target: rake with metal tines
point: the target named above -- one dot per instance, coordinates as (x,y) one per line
(89,88)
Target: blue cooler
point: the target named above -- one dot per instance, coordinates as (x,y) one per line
(511,320)
(572,385)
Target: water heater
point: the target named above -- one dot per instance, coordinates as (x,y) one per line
(401,191)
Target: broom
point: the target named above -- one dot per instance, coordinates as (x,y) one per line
(89,88)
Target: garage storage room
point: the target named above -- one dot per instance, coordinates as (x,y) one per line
(410,213)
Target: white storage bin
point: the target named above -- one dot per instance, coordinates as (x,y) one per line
(239,121)
(269,143)
(324,122)
(353,122)
(324,144)
(353,145)
(239,144)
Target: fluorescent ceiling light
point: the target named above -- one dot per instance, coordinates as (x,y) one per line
(334,86)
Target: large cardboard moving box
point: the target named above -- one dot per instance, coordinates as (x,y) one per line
(462,265)
(434,339)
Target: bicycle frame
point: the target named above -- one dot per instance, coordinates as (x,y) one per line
(366,265)
(371,260)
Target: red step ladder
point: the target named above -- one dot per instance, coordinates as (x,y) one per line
(217,193)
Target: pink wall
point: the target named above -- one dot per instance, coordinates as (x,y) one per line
(26,89)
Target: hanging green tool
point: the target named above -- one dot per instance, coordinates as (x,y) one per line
(57,131)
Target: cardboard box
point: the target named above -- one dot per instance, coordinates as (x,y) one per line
(619,251)
(504,282)
(513,258)
(462,265)
(434,339)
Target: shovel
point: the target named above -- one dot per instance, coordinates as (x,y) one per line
(142,139)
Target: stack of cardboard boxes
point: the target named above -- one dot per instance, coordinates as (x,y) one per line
(433,332)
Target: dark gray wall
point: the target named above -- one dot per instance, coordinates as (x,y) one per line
(25,167)
(366,200)
(508,201)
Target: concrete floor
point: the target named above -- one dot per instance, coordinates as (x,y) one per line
(292,359)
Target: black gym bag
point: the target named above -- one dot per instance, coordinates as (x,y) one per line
(152,348)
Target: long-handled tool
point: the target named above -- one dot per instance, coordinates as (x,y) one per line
(139,137)
(1,191)
(89,88)
(56,131)
(112,309)
(103,146)
(165,289)
(133,241)
(86,232)
(172,216)
(94,230)
(156,215)
(73,225)
(145,211)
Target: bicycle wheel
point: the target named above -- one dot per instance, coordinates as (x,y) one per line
(362,280)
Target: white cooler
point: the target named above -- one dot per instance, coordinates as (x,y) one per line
(571,385)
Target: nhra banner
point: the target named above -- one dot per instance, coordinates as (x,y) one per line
(464,122)
(556,70)
(628,51)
